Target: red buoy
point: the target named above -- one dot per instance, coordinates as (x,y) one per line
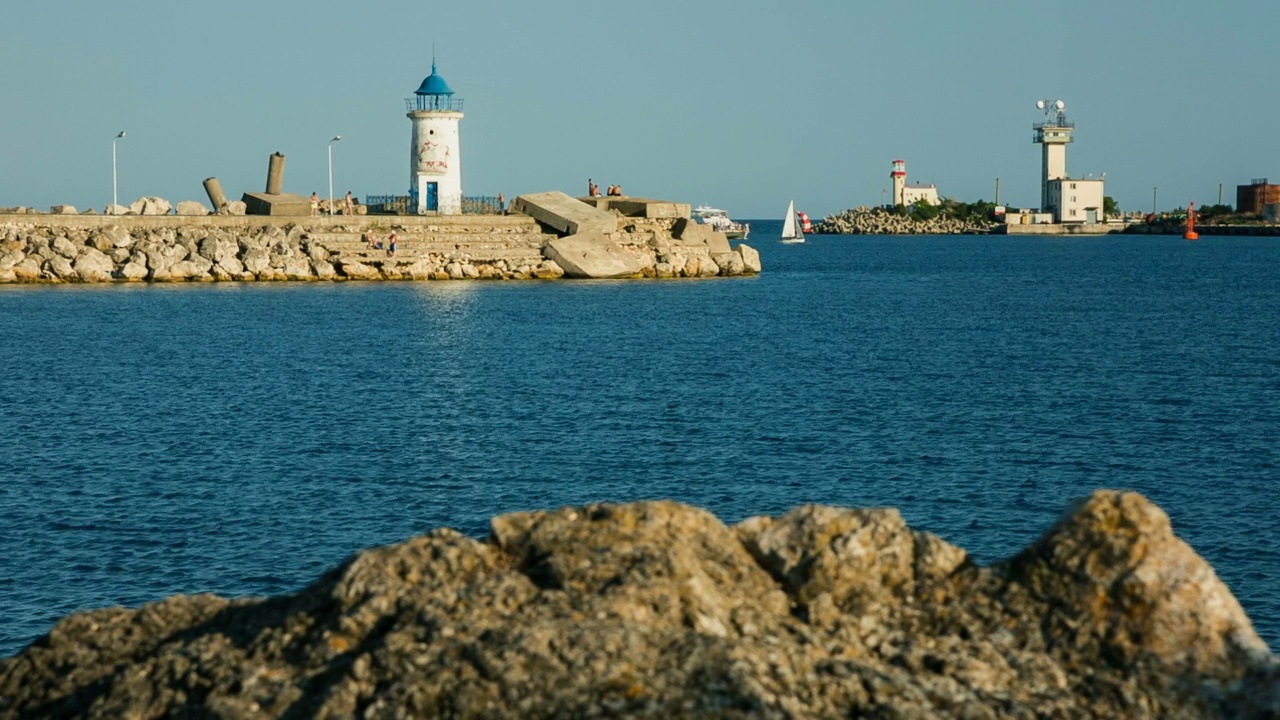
(1191,233)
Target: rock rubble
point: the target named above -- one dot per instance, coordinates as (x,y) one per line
(657,609)
(878,221)
(31,252)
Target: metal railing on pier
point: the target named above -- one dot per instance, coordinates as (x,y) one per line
(402,205)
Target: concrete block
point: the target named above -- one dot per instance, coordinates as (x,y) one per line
(565,214)
(691,233)
(644,208)
(282,204)
(594,255)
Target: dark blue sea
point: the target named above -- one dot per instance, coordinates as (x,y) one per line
(241,439)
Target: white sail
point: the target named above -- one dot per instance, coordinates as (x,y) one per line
(790,228)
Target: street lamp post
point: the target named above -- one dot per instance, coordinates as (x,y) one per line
(1154,190)
(114,203)
(335,139)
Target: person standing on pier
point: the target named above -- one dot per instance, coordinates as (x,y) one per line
(348,207)
(315,204)
(391,243)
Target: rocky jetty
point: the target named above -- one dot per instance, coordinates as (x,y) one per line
(878,221)
(197,248)
(657,609)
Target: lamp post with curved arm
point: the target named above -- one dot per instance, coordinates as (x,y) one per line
(114,186)
(335,139)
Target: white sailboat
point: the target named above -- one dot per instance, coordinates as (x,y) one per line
(791,232)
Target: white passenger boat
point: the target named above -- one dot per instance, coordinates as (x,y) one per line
(719,220)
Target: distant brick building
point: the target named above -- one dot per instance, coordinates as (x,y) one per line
(1253,197)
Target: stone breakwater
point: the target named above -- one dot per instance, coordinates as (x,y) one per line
(657,609)
(878,221)
(75,249)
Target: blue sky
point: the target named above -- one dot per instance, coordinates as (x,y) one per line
(744,105)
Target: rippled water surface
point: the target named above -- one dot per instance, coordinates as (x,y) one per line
(241,439)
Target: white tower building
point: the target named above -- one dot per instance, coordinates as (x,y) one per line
(1053,135)
(899,178)
(435,157)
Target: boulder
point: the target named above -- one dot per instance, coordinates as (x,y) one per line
(298,268)
(119,236)
(65,247)
(133,271)
(421,269)
(547,270)
(256,260)
(231,266)
(192,208)
(11,257)
(730,263)
(594,255)
(750,258)
(150,206)
(218,248)
(64,210)
(657,609)
(359,271)
(234,207)
(60,268)
(27,270)
(94,266)
(323,269)
(115,210)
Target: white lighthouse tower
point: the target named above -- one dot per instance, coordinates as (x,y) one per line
(435,157)
(899,178)
(1053,135)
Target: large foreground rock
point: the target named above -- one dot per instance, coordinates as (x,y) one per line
(657,609)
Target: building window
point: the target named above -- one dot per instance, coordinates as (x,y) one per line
(1073,186)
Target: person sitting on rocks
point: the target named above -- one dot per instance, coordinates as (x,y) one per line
(593,190)
(369,240)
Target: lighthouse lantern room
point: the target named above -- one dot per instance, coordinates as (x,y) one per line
(435,161)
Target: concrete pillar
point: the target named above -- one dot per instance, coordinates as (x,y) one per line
(275,174)
(214,189)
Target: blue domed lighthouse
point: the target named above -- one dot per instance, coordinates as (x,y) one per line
(435,159)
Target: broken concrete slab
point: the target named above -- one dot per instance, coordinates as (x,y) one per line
(563,213)
(594,255)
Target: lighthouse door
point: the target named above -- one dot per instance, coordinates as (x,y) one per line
(433,196)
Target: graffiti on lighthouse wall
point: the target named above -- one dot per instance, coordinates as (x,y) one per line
(433,157)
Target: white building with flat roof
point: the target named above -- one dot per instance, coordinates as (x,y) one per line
(915,192)
(1076,201)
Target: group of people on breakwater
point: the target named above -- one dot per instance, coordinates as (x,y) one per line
(593,190)
(375,244)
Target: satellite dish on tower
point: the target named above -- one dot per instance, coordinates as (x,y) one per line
(1060,105)
(1039,104)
